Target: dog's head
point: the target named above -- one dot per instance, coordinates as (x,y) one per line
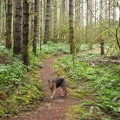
(50,84)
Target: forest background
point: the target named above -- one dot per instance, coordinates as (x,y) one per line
(32,29)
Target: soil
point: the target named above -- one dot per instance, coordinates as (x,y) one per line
(55,109)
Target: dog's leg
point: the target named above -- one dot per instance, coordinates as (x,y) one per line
(64,90)
(53,93)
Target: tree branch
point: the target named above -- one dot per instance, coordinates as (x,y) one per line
(115,33)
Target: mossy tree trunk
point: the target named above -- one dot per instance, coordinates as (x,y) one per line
(25,52)
(31,20)
(9,24)
(63,17)
(71,30)
(35,27)
(18,21)
(55,20)
(88,20)
(101,18)
(41,23)
(1,4)
(47,23)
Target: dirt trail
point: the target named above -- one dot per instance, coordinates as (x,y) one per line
(51,109)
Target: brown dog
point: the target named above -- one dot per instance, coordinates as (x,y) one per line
(55,83)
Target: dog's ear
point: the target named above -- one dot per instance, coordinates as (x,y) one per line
(48,81)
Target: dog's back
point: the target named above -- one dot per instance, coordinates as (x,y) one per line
(58,81)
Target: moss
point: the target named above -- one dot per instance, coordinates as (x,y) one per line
(2,111)
(27,93)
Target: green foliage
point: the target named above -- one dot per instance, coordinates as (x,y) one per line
(11,72)
(84,47)
(74,72)
(23,87)
(103,78)
(86,110)
(55,48)
(80,93)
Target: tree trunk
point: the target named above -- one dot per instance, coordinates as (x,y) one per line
(25,52)
(101,16)
(71,30)
(35,27)
(1,7)
(87,21)
(89,18)
(9,25)
(47,23)
(55,20)
(31,19)
(41,23)
(18,27)
(102,47)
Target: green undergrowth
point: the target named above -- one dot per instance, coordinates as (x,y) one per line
(22,85)
(53,49)
(97,85)
(25,89)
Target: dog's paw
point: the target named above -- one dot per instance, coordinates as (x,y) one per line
(62,95)
(51,97)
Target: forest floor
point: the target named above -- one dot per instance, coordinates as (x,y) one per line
(59,107)
(50,109)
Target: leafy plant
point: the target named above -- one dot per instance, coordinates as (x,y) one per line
(102,78)
(23,87)
(55,48)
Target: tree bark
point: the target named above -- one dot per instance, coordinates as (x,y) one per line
(9,25)
(55,20)
(35,27)
(47,23)
(18,21)
(71,30)
(25,52)
(41,23)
